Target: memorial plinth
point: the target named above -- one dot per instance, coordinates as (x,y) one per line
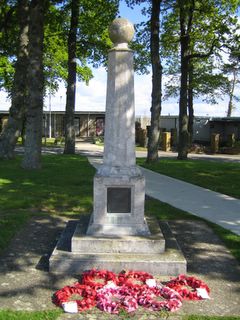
(118,236)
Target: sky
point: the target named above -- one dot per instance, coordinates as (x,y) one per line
(93,96)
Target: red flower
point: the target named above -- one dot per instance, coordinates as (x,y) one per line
(98,278)
(88,294)
(182,283)
(134,278)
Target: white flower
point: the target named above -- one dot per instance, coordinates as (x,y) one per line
(151,283)
(70,307)
(202,292)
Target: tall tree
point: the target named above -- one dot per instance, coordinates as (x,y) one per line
(33,142)
(185,20)
(13,128)
(71,83)
(153,138)
(205,28)
(232,68)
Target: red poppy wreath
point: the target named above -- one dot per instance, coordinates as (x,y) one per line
(65,295)
(190,288)
(98,278)
(134,278)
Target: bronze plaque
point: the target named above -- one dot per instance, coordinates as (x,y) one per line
(118,200)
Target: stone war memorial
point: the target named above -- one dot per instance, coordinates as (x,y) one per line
(119,236)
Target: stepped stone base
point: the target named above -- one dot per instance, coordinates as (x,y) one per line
(122,244)
(76,252)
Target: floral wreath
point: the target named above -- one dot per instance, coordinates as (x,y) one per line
(134,278)
(92,277)
(172,300)
(114,299)
(182,283)
(89,296)
(127,291)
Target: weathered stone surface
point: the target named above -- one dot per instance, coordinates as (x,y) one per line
(121,31)
(152,244)
(116,223)
(119,170)
(169,262)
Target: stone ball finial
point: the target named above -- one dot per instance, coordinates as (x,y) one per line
(121,31)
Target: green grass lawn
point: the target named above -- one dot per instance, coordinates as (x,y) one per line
(218,176)
(25,315)
(53,315)
(64,186)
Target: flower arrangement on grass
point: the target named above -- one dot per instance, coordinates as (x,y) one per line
(127,290)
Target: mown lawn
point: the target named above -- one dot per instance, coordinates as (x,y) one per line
(25,315)
(62,186)
(223,177)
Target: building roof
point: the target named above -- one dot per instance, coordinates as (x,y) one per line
(225,119)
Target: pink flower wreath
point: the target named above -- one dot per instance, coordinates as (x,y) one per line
(113,299)
(170,299)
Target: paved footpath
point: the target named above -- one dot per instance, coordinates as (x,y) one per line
(213,206)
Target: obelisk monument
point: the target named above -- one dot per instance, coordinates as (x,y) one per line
(118,237)
(119,186)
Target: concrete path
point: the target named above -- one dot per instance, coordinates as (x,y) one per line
(90,149)
(216,207)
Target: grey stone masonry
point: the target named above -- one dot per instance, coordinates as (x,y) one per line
(119,186)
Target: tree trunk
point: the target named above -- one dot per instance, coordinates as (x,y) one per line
(230,103)
(33,142)
(183,142)
(71,85)
(153,138)
(12,131)
(190,102)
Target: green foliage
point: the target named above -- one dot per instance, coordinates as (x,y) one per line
(55,41)
(6,73)
(212,28)
(8,38)
(93,40)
